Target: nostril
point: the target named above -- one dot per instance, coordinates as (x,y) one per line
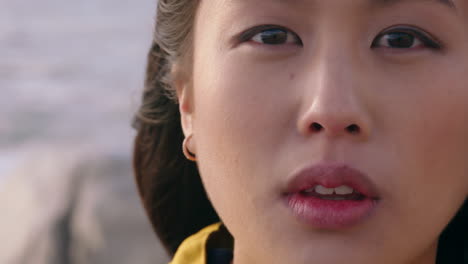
(353,129)
(316,127)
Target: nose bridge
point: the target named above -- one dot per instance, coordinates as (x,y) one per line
(332,105)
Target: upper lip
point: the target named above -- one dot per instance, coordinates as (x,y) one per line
(331,175)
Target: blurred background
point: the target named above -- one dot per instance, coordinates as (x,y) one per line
(71,74)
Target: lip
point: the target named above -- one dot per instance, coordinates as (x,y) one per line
(332,175)
(331,214)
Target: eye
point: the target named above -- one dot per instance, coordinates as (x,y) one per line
(271,35)
(274,36)
(405,38)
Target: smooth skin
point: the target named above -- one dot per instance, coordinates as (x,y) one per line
(396,70)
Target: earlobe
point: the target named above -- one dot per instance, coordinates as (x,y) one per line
(186,146)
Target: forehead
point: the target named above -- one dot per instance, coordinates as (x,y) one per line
(232,12)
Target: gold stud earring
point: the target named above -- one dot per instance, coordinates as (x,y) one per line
(189,155)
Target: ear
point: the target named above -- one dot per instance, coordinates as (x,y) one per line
(185,98)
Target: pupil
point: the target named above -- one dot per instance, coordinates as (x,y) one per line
(274,36)
(400,40)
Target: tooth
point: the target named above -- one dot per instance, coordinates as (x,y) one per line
(323,190)
(343,190)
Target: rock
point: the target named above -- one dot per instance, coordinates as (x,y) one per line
(65,205)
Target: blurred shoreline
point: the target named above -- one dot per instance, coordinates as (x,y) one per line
(72,70)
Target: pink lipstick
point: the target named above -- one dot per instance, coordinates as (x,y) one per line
(331,196)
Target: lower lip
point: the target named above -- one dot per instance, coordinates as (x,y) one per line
(330,214)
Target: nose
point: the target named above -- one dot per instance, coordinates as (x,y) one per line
(333,105)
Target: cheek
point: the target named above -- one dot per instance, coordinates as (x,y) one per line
(242,106)
(243,114)
(431,126)
(421,117)
(425,127)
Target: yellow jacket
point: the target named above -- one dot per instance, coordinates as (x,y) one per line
(211,245)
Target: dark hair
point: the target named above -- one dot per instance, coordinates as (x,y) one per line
(453,242)
(169,185)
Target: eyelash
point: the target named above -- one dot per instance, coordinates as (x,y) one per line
(418,34)
(249,34)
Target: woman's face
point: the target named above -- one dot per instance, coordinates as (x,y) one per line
(379,86)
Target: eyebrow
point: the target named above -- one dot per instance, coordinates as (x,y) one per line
(448,3)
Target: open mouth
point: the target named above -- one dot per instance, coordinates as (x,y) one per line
(340,193)
(331,196)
